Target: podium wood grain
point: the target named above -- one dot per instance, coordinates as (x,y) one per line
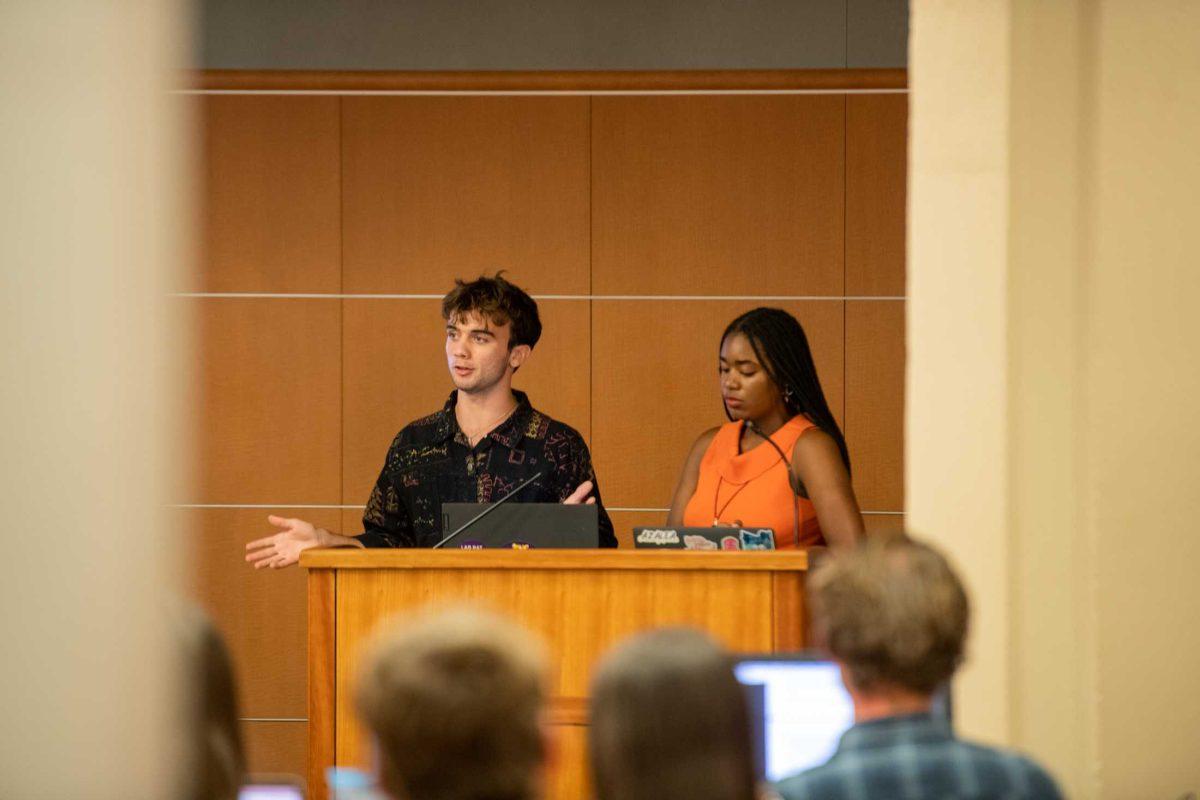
(579,602)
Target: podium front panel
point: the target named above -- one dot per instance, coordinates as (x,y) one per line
(580,603)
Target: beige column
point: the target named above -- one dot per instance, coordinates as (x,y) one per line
(1053,375)
(90,225)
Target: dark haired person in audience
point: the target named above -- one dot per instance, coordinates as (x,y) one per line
(894,616)
(669,720)
(482,444)
(781,462)
(214,764)
(454,702)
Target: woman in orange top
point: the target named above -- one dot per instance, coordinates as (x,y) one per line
(781,462)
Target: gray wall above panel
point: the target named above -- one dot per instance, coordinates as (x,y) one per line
(551,34)
(876,33)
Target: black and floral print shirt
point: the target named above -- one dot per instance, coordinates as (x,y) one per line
(431,462)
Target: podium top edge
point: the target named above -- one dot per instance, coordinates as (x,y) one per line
(545,559)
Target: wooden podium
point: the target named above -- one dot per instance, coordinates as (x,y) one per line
(580,602)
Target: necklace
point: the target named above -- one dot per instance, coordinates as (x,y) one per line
(716,496)
(474,438)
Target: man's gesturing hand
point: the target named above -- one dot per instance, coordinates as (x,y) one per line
(582,495)
(284,548)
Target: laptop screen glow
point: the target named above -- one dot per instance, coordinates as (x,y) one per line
(799,709)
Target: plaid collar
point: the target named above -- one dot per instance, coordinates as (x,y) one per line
(891,731)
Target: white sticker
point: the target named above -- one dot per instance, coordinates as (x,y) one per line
(658,536)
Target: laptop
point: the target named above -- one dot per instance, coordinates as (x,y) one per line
(521,525)
(681,538)
(799,710)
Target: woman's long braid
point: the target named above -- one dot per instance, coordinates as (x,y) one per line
(779,342)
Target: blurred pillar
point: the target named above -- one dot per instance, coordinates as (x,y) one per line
(92,223)
(1053,446)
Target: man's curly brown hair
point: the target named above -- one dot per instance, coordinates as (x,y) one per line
(498,301)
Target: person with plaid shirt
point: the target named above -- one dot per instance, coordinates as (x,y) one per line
(893,614)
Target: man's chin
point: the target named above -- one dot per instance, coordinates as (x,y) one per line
(476,383)
(470,386)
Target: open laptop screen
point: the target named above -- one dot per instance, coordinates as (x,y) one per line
(798,709)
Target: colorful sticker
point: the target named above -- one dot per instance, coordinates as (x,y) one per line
(761,539)
(521,545)
(694,542)
(730,543)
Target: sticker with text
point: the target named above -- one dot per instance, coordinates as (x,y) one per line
(658,536)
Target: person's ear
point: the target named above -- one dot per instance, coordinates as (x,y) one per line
(517,356)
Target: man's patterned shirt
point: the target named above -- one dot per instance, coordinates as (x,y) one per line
(431,462)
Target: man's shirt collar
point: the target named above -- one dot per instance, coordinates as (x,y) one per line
(508,433)
(890,731)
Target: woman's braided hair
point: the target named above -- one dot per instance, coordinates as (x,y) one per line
(781,346)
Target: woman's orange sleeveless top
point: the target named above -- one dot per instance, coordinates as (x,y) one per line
(751,489)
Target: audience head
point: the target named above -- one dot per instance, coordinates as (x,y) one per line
(454,700)
(893,613)
(499,302)
(215,764)
(778,343)
(669,720)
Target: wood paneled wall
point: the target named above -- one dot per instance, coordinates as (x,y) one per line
(625,213)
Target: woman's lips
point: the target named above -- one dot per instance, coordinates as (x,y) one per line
(733,402)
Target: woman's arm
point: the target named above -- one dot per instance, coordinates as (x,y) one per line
(817,462)
(686,487)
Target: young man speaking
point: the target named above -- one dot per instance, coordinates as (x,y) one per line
(484,442)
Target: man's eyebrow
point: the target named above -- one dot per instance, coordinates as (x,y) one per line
(484,331)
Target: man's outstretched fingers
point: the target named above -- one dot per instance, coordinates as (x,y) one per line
(577,496)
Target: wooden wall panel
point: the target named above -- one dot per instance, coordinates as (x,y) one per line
(352,517)
(883,523)
(718,195)
(654,369)
(271,176)
(268,400)
(261,613)
(440,187)
(875,402)
(276,748)
(395,372)
(876,191)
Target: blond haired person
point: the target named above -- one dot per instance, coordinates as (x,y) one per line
(454,703)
